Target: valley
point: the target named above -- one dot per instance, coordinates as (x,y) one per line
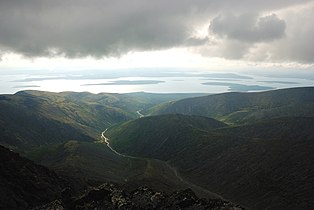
(158,165)
(251,149)
(156,105)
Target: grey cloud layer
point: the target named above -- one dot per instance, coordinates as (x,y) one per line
(79,29)
(100,28)
(248,27)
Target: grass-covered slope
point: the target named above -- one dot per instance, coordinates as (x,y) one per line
(246,107)
(24,184)
(85,159)
(34,118)
(159,136)
(27,121)
(95,161)
(267,164)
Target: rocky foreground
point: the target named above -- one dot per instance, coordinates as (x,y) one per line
(110,196)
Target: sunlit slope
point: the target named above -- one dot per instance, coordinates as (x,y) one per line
(30,119)
(261,165)
(237,108)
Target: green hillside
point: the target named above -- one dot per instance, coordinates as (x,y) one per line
(95,161)
(30,119)
(35,118)
(262,165)
(90,160)
(261,158)
(235,108)
(151,99)
(23,125)
(159,136)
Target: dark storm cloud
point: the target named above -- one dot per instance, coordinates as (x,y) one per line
(78,28)
(98,28)
(81,28)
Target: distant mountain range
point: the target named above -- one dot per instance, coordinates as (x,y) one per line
(253,149)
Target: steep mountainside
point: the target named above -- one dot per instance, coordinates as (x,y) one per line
(24,184)
(28,120)
(35,118)
(247,107)
(262,165)
(263,160)
(95,161)
(159,136)
(90,160)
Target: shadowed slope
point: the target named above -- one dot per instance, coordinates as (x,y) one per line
(24,184)
(159,136)
(262,165)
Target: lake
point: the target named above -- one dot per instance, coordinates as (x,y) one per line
(173,81)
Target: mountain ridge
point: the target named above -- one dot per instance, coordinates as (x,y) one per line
(235,107)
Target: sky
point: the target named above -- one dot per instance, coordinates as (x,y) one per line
(47,35)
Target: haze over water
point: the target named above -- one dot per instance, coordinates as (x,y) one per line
(160,81)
